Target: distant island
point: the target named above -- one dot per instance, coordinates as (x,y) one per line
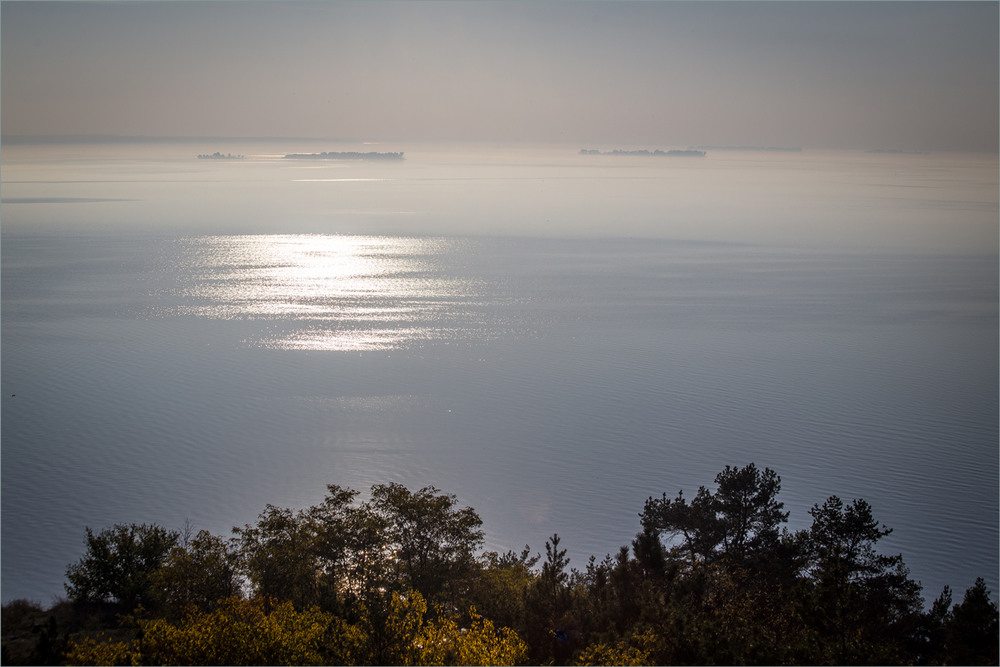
(219,156)
(344,156)
(644,152)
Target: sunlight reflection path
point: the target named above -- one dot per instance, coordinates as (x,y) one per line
(330,292)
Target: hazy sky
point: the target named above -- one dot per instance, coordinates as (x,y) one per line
(905,75)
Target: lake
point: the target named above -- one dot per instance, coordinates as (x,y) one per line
(552,337)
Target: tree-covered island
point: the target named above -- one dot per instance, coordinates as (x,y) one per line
(399,579)
(219,156)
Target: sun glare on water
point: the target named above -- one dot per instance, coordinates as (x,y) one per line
(330,292)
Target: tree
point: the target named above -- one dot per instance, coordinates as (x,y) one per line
(338,553)
(500,588)
(349,549)
(388,627)
(864,601)
(433,543)
(340,583)
(739,520)
(649,554)
(843,539)
(119,564)
(972,629)
(554,573)
(748,510)
(549,627)
(278,556)
(201,573)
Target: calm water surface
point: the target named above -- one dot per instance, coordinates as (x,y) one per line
(158,373)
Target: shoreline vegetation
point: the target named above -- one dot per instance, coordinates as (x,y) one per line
(219,156)
(400,579)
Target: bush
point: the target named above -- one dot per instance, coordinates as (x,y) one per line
(14,612)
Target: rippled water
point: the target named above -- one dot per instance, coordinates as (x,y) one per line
(355,293)
(552,384)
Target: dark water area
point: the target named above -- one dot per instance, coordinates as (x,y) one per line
(553,384)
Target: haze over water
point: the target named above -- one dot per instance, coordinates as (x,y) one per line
(551,336)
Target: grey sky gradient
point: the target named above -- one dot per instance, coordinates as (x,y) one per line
(903,75)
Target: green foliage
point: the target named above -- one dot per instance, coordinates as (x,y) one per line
(550,624)
(635,649)
(100,650)
(389,627)
(16,611)
(748,510)
(554,574)
(972,629)
(396,580)
(363,571)
(51,644)
(695,522)
(740,520)
(842,538)
(277,555)
(443,642)
(237,632)
(433,544)
(348,548)
(499,589)
(199,573)
(119,564)
(863,601)
(339,554)
(33,636)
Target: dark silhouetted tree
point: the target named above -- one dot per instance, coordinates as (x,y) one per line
(433,543)
(499,590)
(748,510)
(277,555)
(201,573)
(119,564)
(972,629)
(864,601)
(694,523)
(740,520)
